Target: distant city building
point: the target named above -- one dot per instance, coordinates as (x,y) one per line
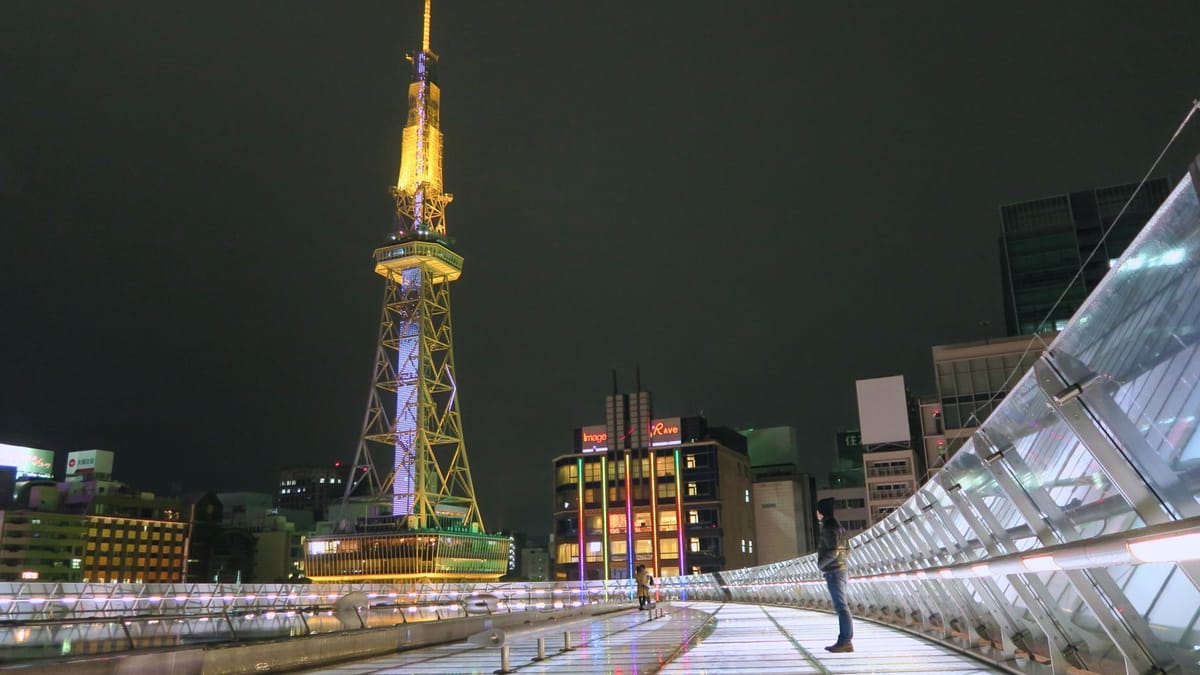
(773,449)
(1045,242)
(529,558)
(89,528)
(218,552)
(933,434)
(132,537)
(972,379)
(850,507)
(893,453)
(278,554)
(848,465)
(311,487)
(8,486)
(205,513)
(671,493)
(784,516)
(783,497)
(892,477)
(278,535)
(38,542)
(245,509)
(535,563)
(96,465)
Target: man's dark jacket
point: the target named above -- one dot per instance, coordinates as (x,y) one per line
(831,548)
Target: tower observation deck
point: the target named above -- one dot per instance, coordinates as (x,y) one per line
(421,520)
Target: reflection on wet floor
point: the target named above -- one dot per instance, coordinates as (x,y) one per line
(690,638)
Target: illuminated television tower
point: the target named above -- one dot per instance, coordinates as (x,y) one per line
(413,406)
(435,529)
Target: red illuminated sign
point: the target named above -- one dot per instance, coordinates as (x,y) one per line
(665,432)
(662,428)
(594,439)
(662,432)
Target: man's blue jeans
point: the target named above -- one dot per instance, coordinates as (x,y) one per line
(837,594)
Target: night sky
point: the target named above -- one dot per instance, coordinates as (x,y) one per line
(755,202)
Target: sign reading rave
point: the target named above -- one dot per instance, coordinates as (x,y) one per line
(662,432)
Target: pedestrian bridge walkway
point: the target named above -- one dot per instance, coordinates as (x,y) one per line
(690,638)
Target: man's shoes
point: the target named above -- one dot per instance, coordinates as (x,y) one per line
(840,648)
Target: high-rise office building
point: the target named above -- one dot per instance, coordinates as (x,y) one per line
(1045,242)
(671,494)
(132,537)
(972,379)
(310,487)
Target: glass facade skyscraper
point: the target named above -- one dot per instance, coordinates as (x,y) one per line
(1045,242)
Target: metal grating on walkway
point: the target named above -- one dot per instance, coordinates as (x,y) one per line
(692,638)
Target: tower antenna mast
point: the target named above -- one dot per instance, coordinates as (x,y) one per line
(425,32)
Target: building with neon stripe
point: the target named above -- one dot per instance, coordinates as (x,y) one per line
(690,509)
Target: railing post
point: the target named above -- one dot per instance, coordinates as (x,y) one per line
(229,622)
(128,635)
(1142,650)
(1134,466)
(996,541)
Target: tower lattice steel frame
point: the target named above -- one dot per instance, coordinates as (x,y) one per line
(413,408)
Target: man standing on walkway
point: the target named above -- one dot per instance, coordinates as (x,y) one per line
(831,560)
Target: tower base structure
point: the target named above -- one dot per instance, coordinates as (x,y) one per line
(389,552)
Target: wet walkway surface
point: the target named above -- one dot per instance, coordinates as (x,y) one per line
(689,638)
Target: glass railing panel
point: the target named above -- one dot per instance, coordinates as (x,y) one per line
(953,517)
(1140,331)
(977,482)
(1095,646)
(1059,465)
(1165,597)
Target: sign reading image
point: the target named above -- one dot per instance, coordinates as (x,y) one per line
(594,439)
(662,432)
